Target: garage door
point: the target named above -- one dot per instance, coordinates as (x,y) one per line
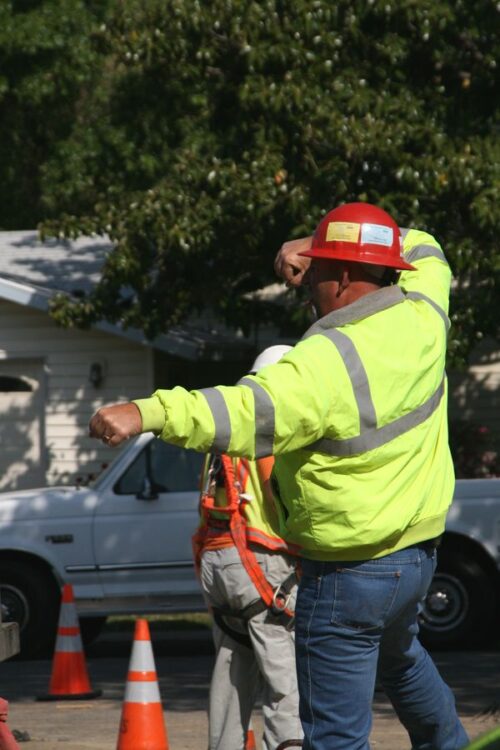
(21,424)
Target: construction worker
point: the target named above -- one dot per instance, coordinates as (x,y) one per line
(249,581)
(356,417)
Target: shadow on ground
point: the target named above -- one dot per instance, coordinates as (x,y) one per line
(184,660)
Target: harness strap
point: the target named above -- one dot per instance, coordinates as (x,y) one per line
(274,599)
(223,620)
(207,505)
(259,606)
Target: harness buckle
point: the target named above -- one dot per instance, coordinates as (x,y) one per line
(280,600)
(245,497)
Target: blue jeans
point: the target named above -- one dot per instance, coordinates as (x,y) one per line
(352,619)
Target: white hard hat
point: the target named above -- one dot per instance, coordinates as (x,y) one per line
(270,356)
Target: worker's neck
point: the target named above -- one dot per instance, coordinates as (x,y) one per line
(347,295)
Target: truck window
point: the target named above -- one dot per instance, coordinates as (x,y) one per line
(168,468)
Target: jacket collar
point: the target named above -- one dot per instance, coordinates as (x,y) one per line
(369,304)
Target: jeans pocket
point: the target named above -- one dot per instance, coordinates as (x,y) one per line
(362,600)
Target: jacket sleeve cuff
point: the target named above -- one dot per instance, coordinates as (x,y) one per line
(152,414)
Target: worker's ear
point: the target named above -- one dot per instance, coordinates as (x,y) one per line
(344,280)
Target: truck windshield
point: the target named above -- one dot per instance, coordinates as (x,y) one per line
(97,480)
(100,477)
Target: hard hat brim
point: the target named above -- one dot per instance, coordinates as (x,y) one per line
(373,258)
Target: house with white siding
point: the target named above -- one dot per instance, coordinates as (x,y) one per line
(53,379)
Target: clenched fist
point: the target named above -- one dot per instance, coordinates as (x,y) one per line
(115,424)
(289,264)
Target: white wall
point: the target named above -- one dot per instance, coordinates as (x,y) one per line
(69,399)
(475,393)
(474,403)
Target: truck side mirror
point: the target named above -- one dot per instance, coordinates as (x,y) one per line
(148,491)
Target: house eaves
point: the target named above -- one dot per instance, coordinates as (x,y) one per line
(39,299)
(33,271)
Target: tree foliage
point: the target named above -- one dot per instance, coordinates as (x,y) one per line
(47,58)
(216,131)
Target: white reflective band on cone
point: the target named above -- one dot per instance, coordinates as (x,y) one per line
(69,643)
(142,692)
(142,659)
(67,616)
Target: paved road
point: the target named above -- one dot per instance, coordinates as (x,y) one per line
(183,665)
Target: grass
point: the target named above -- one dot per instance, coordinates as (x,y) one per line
(162,623)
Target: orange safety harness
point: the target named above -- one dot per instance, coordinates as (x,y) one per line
(275,599)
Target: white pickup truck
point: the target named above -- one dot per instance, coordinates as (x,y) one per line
(124,543)
(125,546)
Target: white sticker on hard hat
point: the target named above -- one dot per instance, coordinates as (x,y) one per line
(342,231)
(376,234)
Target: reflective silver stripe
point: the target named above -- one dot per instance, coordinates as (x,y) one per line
(67,615)
(425,298)
(68,644)
(220,414)
(404,231)
(367,305)
(374,438)
(264,419)
(141,692)
(142,659)
(359,378)
(425,251)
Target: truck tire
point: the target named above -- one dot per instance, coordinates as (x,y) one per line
(30,597)
(460,606)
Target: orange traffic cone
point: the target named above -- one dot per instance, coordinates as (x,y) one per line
(142,726)
(7,741)
(69,680)
(250,743)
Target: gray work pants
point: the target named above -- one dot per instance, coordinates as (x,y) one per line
(242,674)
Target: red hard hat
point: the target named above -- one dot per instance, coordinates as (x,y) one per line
(359,232)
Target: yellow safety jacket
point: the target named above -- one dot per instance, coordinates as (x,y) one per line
(355,414)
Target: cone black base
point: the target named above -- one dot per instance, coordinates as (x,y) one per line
(79,697)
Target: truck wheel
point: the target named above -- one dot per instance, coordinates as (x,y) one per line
(460,606)
(31,598)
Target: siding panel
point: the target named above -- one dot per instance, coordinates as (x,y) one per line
(70,398)
(474,399)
